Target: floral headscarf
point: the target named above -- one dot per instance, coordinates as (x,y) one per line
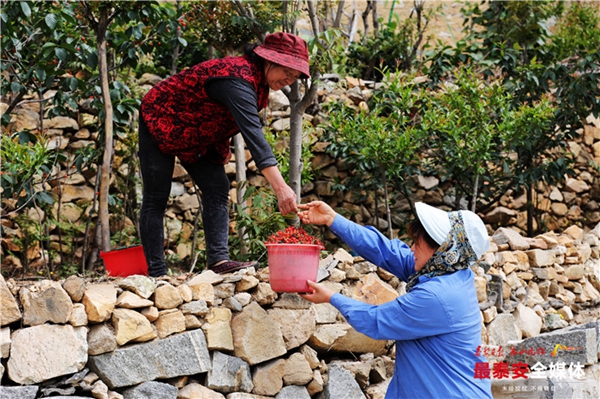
(454,254)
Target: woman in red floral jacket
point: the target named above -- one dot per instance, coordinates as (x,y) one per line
(192,116)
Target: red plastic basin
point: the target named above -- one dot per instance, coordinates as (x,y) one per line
(123,262)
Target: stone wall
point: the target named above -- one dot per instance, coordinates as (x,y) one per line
(230,336)
(575,201)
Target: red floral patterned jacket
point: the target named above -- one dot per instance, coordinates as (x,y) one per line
(185,122)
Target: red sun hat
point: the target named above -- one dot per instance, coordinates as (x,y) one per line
(287,50)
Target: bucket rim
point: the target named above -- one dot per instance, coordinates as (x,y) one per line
(135,246)
(295,245)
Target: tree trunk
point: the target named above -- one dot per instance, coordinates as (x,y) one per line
(338,15)
(475,193)
(298,105)
(530,210)
(353,28)
(105,168)
(240,173)
(388,211)
(375,19)
(176,48)
(365,18)
(296,140)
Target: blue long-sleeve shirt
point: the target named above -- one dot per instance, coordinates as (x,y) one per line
(436,326)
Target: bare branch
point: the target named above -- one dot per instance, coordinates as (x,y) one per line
(339,14)
(312,14)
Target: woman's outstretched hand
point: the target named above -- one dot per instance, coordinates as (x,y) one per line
(320,294)
(316,212)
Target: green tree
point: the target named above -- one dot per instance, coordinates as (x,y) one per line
(100,16)
(512,41)
(465,119)
(41,50)
(578,31)
(48,48)
(539,157)
(380,145)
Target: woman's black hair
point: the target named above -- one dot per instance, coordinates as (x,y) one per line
(417,233)
(248,51)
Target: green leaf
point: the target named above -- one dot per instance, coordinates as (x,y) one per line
(51,21)
(132,53)
(40,73)
(49,45)
(26,137)
(45,197)
(25,8)
(92,60)
(136,31)
(61,53)
(15,87)
(72,83)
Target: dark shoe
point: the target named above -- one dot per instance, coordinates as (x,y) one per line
(158,273)
(231,266)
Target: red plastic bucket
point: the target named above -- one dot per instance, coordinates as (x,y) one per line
(123,262)
(290,265)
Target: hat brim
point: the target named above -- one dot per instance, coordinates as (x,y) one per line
(435,221)
(286,60)
(476,233)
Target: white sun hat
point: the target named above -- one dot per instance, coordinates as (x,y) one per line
(476,233)
(437,224)
(434,220)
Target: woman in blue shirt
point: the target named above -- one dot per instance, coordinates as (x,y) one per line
(437,324)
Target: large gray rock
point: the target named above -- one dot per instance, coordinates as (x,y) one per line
(39,346)
(568,346)
(151,389)
(293,392)
(341,384)
(594,325)
(182,354)
(229,374)
(27,392)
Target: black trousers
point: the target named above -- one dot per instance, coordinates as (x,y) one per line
(157,174)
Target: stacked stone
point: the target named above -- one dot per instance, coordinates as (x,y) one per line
(217,336)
